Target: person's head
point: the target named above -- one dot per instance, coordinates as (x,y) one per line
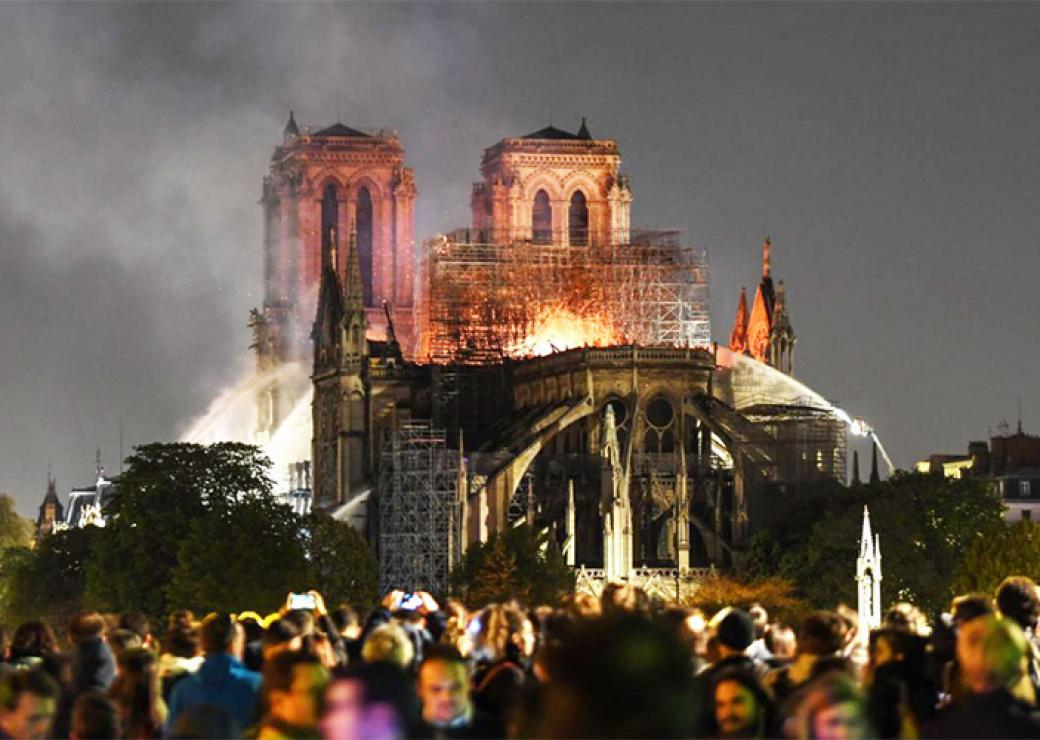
(86,625)
(28,702)
(734,631)
(831,707)
(780,641)
(121,640)
(1019,599)
(139,623)
(369,700)
(280,635)
(388,642)
(181,642)
(220,634)
(760,618)
(346,621)
(888,645)
(624,598)
(302,619)
(135,689)
(990,651)
(33,640)
(293,685)
(821,633)
(505,632)
(904,615)
(443,686)
(969,606)
(582,605)
(742,707)
(181,618)
(95,716)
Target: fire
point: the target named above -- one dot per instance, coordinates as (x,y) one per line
(557,329)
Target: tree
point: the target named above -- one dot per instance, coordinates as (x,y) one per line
(515,564)
(1012,550)
(342,565)
(246,554)
(48,583)
(777,596)
(927,525)
(15,529)
(165,489)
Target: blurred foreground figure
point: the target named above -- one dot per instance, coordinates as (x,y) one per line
(615,677)
(28,702)
(742,707)
(447,707)
(831,707)
(375,701)
(991,653)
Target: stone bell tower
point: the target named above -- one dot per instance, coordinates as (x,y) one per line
(553,187)
(320,182)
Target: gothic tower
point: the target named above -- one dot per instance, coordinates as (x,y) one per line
(340,392)
(766,334)
(868,579)
(615,505)
(319,182)
(553,187)
(51,511)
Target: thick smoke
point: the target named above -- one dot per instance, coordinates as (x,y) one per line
(888,150)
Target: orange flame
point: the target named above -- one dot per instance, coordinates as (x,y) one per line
(558,329)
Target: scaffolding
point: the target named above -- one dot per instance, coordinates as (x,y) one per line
(419,511)
(480,301)
(808,443)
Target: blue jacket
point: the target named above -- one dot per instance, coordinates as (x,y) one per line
(221,681)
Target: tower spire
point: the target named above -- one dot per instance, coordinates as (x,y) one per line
(868,579)
(766,248)
(291,129)
(855,468)
(738,339)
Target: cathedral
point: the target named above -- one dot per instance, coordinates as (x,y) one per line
(547,364)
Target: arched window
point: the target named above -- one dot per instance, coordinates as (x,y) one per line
(541,219)
(329,218)
(578,220)
(364,241)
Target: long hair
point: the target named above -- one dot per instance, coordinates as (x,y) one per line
(136,693)
(33,640)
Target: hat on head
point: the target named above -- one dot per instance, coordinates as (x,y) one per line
(734,628)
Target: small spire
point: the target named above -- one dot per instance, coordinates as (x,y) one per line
(855,468)
(291,129)
(866,541)
(766,248)
(583,132)
(738,340)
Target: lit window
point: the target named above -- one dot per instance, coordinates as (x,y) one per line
(1023,488)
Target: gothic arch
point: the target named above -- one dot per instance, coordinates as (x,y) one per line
(578,219)
(368,179)
(542,221)
(545,180)
(584,181)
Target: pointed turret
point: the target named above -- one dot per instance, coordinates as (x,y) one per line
(868,579)
(874,475)
(583,132)
(355,320)
(781,335)
(329,316)
(866,540)
(291,129)
(760,324)
(855,468)
(51,510)
(738,338)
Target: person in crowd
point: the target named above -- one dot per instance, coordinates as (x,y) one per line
(138,623)
(830,706)
(94,665)
(121,640)
(348,625)
(204,722)
(443,687)
(624,598)
(901,693)
(137,693)
(376,701)
(280,635)
(221,680)
(990,653)
(818,649)
(180,657)
(904,615)
(293,684)
(391,643)
(780,642)
(505,644)
(757,650)
(28,703)
(95,717)
(741,707)
(181,618)
(1018,599)
(32,645)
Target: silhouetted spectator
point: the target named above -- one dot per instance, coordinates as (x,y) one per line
(136,692)
(375,701)
(94,666)
(95,717)
(292,689)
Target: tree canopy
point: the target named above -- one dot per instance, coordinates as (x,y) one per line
(927,525)
(515,564)
(1011,550)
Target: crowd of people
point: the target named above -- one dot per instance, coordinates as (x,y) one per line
(614,666)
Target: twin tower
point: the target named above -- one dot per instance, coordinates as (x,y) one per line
(548,187)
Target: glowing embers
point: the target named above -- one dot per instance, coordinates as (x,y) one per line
(557,329)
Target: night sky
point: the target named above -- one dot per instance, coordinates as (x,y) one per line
(891,151)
